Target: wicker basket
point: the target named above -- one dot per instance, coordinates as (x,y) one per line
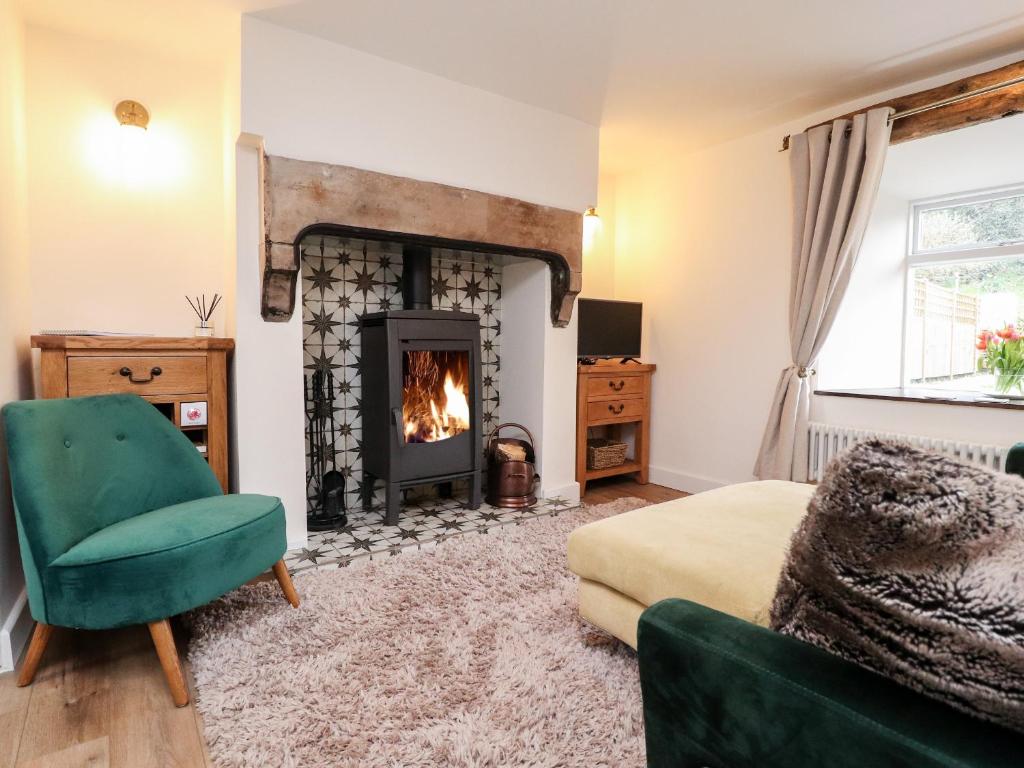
(603,453)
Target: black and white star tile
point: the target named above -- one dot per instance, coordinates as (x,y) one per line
(343,279)
(424,522)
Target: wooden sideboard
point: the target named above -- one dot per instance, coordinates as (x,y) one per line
(177,375)
(612,394)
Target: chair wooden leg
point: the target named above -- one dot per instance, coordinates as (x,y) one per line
(281,572)
(163,639)
(40,637)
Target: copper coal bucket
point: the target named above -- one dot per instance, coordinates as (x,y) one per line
(510,470)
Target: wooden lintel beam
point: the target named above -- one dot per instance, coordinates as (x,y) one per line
(1004,102)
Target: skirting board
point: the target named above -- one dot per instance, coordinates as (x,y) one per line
(14,633)
(570,492)
(681,481)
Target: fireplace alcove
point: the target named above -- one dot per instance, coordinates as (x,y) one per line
(300,201)
(378,329)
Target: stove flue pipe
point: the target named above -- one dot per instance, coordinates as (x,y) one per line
(415,277)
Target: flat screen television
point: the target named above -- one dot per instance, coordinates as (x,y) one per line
(608,328)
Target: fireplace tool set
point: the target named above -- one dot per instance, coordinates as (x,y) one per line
(325,507)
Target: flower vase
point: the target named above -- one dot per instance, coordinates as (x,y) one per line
(1009,391)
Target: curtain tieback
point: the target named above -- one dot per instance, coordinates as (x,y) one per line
(805,372)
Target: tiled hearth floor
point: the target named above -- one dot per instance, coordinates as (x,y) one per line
(422,523)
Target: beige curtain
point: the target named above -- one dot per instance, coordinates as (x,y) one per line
(835,173)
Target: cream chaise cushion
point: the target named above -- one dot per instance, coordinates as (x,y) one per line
(722,548)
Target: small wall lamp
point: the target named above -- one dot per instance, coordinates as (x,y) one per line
(591,226)
(131,114)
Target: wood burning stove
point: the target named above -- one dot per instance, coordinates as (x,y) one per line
(421,410)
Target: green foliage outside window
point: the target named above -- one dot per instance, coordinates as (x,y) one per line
(989,222)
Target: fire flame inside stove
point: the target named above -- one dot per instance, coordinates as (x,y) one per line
(435,395)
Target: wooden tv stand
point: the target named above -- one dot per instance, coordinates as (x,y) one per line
(610,393)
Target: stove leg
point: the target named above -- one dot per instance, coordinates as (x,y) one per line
(475,491)
(392,500)
(368,481)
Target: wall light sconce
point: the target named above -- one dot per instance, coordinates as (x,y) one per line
(591,226)
(130,152)
(133,151)
(131,114)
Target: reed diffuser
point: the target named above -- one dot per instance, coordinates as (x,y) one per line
(204,313)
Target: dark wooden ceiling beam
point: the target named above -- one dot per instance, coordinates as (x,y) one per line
(1004,102)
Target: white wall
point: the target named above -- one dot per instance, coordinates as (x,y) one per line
(704,241)
(599,244)
(315,100)
(116,237)
(15,370)
(269,414)
(536,400)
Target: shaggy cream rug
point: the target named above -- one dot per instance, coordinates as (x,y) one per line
(467,655)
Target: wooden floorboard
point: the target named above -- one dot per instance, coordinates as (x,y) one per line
(612,488)
(91,754)
(71,694)
(13,711)
(100,698)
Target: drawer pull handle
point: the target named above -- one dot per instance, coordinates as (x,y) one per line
(617,408)
(153,373)
(617,387)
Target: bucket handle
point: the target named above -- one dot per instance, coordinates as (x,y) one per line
(494,433)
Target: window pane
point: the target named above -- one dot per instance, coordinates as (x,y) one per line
(971,225)
(950,305)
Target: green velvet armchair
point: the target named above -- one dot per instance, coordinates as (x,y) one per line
(121,522)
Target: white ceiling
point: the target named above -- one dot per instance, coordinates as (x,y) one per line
(651,73)
(689,72)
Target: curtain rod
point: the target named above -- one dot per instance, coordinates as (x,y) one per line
(949,101)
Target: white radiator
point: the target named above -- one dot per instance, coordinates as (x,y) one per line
(828,440)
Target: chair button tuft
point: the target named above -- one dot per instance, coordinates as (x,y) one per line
(67,443)
(120,435)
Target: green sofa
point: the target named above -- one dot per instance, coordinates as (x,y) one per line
(720,692)
(121,522)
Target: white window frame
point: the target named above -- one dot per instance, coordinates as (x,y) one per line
(957,252)
(951,254)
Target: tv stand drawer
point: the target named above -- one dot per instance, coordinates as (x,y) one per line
(599,387)
(615,410)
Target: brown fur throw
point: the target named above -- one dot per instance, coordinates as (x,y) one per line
(910,564)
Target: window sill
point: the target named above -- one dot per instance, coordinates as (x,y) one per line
(920,395)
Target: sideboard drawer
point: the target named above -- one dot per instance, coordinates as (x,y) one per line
(141,375)
(608,410)
(614,386)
